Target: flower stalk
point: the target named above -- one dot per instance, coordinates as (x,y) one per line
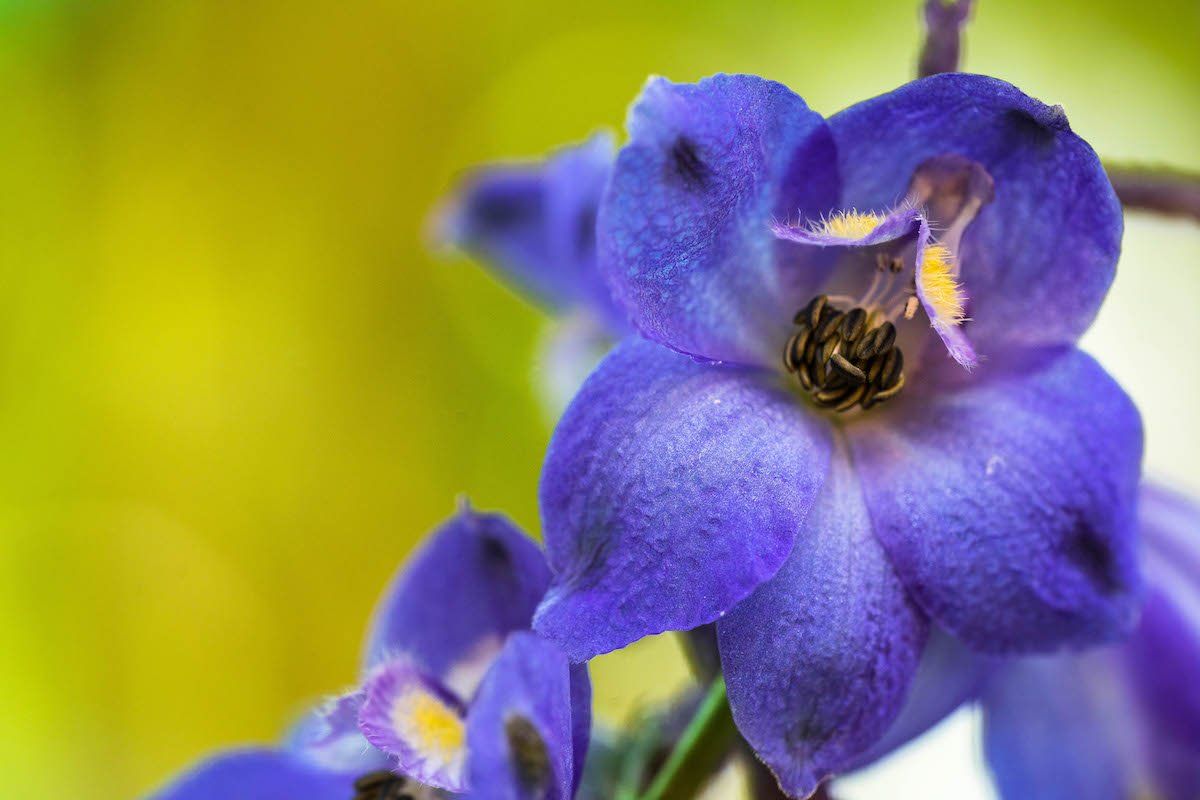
(705,742)
(942,48)
(1163,190)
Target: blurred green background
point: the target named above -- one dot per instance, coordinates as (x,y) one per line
(234,388)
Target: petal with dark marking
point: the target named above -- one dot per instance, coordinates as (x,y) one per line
(819,659)
(1007,501)
(684,231)
(477,579)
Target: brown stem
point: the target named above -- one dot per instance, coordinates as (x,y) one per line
(942,49)
(1159,189)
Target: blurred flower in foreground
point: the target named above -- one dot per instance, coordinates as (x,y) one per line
(1119,722)
(820,483)
(458,695)
(534,224)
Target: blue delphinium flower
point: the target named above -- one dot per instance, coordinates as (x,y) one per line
(858,405)
(1117,722)
(458,697)
(534,225)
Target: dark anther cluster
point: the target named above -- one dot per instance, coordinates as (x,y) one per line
(383,785)
(841,361)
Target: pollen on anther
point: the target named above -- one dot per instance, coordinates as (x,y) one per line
(943,297)
(851,225)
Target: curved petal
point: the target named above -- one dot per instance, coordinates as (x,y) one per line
(1007,504)
(1163,655)
(1119,722)
(818,660)
(949,675)
(258,774)
(329,737)
(671,490)
(948,329)
(684,229)
(899,223)
(1038,260)
(581,720)
(1163,660)
(521,729)
(477,579)
(1055,729)
(535,224)
(418,722)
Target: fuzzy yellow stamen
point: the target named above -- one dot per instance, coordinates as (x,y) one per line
(850,224)
(431,724)
(940,291)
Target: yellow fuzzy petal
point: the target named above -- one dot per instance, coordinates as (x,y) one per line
(940,291)
(850,224)
(431,724)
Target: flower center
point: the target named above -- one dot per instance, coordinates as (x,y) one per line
(844,351)
(844,359)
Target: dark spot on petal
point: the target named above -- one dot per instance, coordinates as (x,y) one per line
(1093,557)
(501,211)
(495,553)
(530,759)
(585,233)
(1038,130)
(687,164)
(808,735)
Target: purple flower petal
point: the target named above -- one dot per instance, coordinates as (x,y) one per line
(476,580)
(329,737)
(581,719)
(1056,729)
(949,331)
(1119,722)
(896,224)
(416,721)
(1007,504)
(949,675)
(1038,260)
(684,227)
(258,774)
(1163,655)
(819,659)
(670,491)
(1163,660)
(535,224)
(521,729)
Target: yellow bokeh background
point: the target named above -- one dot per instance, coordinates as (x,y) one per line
(235,389)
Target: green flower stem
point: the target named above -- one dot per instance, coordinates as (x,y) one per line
(637,760)
(705,744)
